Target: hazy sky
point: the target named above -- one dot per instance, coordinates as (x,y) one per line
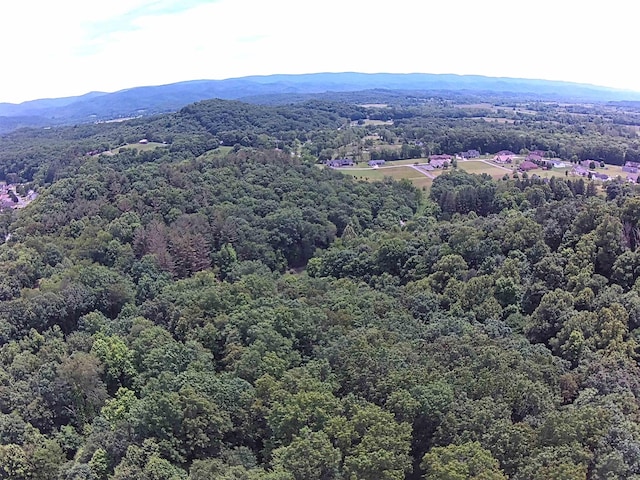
(70,47)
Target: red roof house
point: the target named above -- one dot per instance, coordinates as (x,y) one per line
(526,166)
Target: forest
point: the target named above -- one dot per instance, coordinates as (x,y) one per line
(221,305)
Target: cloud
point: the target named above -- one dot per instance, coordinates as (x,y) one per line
(99,32)
(72,46)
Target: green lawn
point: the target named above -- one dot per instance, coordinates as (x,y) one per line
(400,169)
(217,152)
(141,147)
(478,168)
(379,173)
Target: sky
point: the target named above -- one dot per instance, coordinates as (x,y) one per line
(70,47)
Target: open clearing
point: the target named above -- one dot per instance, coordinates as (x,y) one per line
(396,173)
(367,121)
(404,169)
(479,167)
(141,147)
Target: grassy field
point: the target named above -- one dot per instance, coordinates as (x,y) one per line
(218,152)
(379,173)
(373,122)
(401,169)
(141,147)
(481,167)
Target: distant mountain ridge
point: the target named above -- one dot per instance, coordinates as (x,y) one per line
(137,101)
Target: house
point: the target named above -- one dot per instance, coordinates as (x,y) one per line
(632,164)
(470,154)
(539,153)
(580,170)
(506,152)
(340,162)
(144,141)
(600,176)
(526,166)
(437,162)
(629,168)
(376,163)
(440,157)
(503,158)
(587,163)
(535,158)
(557,164)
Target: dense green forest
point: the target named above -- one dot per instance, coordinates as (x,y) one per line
(407,126)
(195,312)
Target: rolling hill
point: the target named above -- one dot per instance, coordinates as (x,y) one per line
(147,100)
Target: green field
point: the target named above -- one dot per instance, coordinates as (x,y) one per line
(141,147)
(400,169)
(397,173)
(478,168)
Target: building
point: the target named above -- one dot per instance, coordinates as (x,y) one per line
(539,153)
(629,169)
(527,165)
(535,158)
(470,154)
(376,163)
(340,162)
(506,152)
(440,157)
(587,163)
(437,162)
(503,158)
(580,170)
(600,176)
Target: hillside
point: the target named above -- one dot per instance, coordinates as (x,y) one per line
(134,102)
(185,309)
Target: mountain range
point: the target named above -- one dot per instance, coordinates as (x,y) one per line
(149,100)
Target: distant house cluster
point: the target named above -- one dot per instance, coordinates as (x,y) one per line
(584,171)
(538,157)
(340,162)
